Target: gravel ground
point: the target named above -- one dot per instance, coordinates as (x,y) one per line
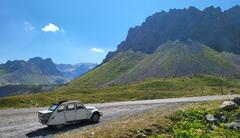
(24,122)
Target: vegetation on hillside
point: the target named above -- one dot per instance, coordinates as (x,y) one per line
(197,85)
(193,123)
(10,90)
(105,73)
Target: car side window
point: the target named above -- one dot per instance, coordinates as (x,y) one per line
(79,106)
(70,106)
(61,108)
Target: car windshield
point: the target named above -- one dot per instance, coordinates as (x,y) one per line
(53,107)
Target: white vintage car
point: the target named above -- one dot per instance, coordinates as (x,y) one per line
(68,112)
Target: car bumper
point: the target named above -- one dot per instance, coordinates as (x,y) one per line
(42,122)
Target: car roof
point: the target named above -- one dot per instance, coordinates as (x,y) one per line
(67,102)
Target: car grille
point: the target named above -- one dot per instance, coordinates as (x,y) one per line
(43,118)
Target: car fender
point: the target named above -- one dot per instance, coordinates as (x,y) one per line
(94,111)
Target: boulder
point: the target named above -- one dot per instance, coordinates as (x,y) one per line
(228,105)
(233,125)
(236,100)
(221,117)
(210,118)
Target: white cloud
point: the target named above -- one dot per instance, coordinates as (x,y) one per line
(50,28)
(28,26)
(98,50)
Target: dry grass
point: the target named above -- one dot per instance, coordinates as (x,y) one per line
(129,126)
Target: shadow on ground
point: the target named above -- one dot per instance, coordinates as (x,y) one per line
(48,131)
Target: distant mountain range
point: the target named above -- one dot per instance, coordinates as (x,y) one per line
(73,71)
(38,71)
(34,71)
(181,42)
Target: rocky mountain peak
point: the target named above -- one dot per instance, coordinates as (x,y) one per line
(35,60)
(212,10)
(234,9)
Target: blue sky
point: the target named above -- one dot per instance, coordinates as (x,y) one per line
(73,31)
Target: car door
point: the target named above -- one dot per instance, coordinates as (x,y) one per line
(81,112)
(69,112)
(58,116)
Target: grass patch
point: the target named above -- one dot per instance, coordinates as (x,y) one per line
(198,85)
(192,123)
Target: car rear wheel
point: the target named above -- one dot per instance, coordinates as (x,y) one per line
(95,117)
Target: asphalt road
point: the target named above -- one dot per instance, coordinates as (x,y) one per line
(24,122)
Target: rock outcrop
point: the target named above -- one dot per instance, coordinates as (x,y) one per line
(228,105)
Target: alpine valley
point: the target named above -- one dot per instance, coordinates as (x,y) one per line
(182,52)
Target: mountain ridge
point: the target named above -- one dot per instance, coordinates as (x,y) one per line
(211,26)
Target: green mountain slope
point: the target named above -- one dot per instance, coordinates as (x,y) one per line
(176,59)
(105,73)
(172,59)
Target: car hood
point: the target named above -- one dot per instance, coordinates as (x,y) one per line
(45,111)
(91,108)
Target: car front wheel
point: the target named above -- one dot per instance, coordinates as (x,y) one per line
(95,117)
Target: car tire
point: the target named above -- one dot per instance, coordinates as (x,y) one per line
(95,117)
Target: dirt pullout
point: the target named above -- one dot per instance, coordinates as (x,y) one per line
(24,122)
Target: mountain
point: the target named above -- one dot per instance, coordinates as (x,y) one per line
(213,27)
(34,71)
(181,42)
(172,59)
(73,71)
